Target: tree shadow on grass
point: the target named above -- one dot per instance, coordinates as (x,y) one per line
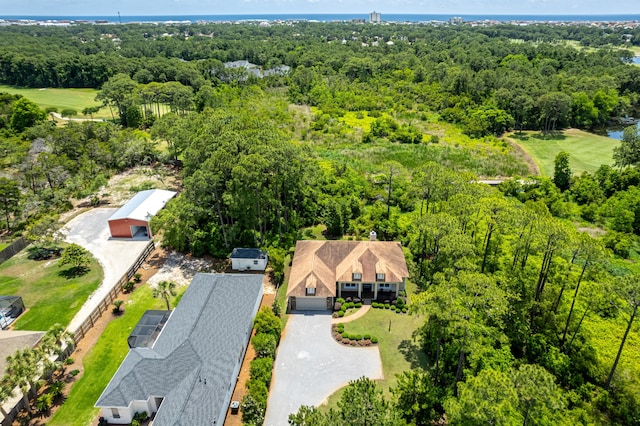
(413,353)
(551,136)
(75,272)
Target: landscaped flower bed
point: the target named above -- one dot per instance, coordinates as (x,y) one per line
(398,305)
(352,339)
(341,306)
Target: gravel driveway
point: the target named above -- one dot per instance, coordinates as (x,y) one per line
(91,231)
(310,366)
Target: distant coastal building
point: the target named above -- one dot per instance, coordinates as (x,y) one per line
(375,17)
(456,20)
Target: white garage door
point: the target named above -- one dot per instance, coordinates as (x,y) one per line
(311,303)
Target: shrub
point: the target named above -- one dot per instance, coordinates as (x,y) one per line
(367,336)
(44,402)
(340,314)
(264,345)
(135,422)
(337,306)
(358,305)
(55,389)
(141,416)
(137,277)
(266,322)
(68,112)
(43,253)
(387,306)
(252,410)
(340,300)
(400,302)
(117,305)
(128,287)
(258,390)
(348,300)
(358,336)
(374,340)
(74,373)
(69,361)
(261,369)
(404,309)
(339,337)
(352,336)
(345,335)
(50,109)
(398,310)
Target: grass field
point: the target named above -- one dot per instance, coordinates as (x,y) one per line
(77,99)
(49,297)
(103,360)
(586,151)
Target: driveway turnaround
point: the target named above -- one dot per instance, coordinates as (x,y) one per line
(311,365)
(91,231)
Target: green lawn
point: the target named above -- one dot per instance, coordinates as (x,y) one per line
(586,151)
(103,360)
(398,350)
(4,246)
(49,297)
(77,99)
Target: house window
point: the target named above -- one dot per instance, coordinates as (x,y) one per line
(115,413)
(379,277)
(350,286)
(255,262)
(384,287)
(311,291)
(357,276)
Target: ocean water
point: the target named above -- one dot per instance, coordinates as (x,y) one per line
(335,17)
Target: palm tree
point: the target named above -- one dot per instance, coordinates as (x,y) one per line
(23,368)
(6,392)
(165,289)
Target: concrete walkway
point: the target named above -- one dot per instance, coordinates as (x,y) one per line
(91,231)
(311,365)
(358,314)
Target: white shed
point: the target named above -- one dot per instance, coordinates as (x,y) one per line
(249,259)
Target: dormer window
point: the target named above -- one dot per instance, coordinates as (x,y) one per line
(311,291)
(357,276)
(379,277)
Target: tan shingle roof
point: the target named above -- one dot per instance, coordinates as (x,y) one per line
(324,263)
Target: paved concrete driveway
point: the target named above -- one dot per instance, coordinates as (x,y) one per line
(310,366)
(91,231)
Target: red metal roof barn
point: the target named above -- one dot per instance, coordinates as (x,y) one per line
(132,219)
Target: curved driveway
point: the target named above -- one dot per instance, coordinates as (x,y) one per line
(311,365)
(91,231)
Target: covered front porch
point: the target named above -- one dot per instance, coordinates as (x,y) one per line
(368,292)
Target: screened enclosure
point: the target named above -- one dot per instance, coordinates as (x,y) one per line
(148,329)
(10,309)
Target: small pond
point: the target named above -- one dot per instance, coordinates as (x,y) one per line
(615,131)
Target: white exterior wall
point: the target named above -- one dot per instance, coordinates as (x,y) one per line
(249,264)
(127,413)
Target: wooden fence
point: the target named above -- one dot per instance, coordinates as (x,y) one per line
(13,249)
(112,295)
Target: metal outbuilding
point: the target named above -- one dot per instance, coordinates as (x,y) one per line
(132,219)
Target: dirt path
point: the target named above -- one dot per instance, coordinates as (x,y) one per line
(534,170)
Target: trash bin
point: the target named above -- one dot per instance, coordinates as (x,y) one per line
(235,405)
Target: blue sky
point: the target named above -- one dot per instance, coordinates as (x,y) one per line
(218,7)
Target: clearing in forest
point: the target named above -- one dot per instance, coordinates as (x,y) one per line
(586,151)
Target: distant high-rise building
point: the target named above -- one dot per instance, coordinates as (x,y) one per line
(375,17)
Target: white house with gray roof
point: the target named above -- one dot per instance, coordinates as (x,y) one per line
(188,375)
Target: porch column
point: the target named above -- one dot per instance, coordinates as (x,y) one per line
(397,289)
(375,291)
(359,289)
(339,289)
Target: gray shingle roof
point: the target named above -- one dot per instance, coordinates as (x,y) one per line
(192,362)
(248,253)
